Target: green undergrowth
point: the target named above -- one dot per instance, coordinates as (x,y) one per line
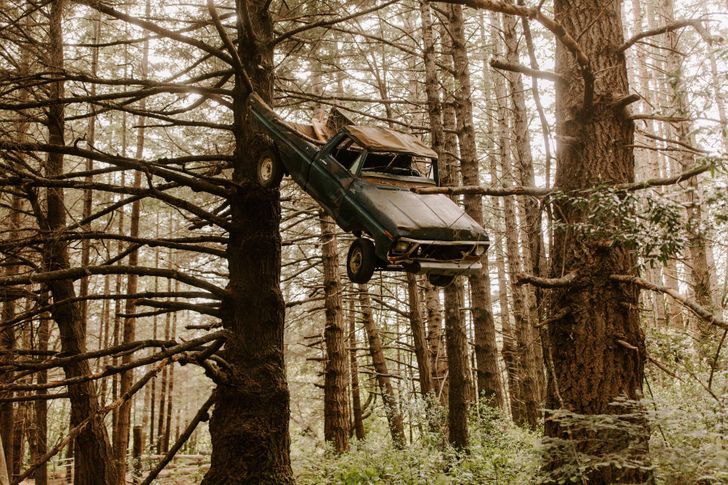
(500,452)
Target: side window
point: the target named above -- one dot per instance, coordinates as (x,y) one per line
(347,153)
(424,167)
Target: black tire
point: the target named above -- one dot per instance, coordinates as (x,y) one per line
(440,279)
(361,261)
(269,169)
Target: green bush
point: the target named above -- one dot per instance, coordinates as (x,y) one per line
(500,453)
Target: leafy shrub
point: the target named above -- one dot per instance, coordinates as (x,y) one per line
(500,453)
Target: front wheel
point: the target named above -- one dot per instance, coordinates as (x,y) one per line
(361,261)
(440,279)
(269,170)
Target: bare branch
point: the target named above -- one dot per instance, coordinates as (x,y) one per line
(199,417)
(562,282)
(480,190)
(699,310)
(77,273)
(678,24)
(507,66)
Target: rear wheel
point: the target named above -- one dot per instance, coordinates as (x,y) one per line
(361,261)
(269,170)
(440,279)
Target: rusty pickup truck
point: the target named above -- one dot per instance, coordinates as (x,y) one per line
(362,176)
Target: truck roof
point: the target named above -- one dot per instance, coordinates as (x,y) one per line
(378,139)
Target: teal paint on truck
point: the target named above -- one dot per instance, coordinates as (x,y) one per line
(362,177)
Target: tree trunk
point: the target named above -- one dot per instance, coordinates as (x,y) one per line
(486,352)
(165,437)
(40,441)
(123,423)
(336,402)
(699,249)
(588,368)
(94,457)
(418,336)
(436,343)
(498,156)
(4,477)
(249,425)
(394,416)
(354,372)
(529,343)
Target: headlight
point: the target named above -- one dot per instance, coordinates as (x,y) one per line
(479,250)
(401,247)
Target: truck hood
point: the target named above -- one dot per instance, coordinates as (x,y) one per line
(421,216)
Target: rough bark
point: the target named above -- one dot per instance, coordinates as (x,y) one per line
(459,385)
(336,402)
(356,409)
(93,457)
(699,250)
(486,352)
(384,379)
(40,440)
(436,343)
(529,342)
(588,371)
(249,426)
(497,157)
(123,422)
(417,326)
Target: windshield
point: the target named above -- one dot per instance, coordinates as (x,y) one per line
(399,164)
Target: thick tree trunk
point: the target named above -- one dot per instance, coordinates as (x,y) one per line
(336,402)
(588,368)
(249,426)
(94,458)
(486,352)
(384,379)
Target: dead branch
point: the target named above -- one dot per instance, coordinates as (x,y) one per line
(657,182)
(562,282)
(656,117)
(699,310)
(554,318)
(77,273)
(60,361)
(480,190)
(202,415)
(99,414)
(507,66)
(35,397)
(679,24)
(544,192)
(119,161)
(157,29)
(326,23)
(171,352)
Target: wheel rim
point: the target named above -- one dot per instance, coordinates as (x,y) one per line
(266,169)
(355,262)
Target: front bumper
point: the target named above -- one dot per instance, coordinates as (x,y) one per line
(438,257)
(455,268)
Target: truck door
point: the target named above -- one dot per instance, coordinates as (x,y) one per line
(328,178)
